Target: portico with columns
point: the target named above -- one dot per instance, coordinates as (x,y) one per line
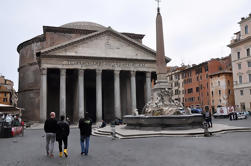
(106,74)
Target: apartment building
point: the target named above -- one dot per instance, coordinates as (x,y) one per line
(195,85)
(241,63)
(175,79)
(6,88)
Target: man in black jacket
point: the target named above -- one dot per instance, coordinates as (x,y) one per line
(85,126)
(50,128)
(62,135)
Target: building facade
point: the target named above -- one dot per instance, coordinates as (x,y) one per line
(194,85)
(84,67)
(221,90)
(241,64)
(6,90)
(175,79)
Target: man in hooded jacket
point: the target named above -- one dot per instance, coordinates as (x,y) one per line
(85,126)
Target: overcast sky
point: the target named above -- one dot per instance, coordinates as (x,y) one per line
(194,30)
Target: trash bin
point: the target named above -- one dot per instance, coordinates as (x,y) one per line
(6,132)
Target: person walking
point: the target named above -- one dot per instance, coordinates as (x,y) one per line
(85,126)
(208,118)
(62,135)
(50,128)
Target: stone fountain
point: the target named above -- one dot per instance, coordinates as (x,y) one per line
(161,110)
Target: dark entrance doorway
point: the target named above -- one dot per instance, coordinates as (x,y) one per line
(53,87)
(108,95)
(71,94)
(90,93)
(140,90)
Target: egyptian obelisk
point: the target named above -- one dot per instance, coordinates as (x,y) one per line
(160,54)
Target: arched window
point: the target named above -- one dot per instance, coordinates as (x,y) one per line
(246,29)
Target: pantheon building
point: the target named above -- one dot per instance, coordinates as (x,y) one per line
(84,67)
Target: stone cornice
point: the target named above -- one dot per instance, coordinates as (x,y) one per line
(39,38)
(27,90)
(67,30)
(237,43)
(26,65)
(221,72)
(133,35)
(91,57)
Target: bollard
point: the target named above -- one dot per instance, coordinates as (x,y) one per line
(113,131)
(206,132)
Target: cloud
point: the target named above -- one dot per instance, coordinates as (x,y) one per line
(194,30)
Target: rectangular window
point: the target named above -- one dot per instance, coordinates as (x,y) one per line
(212,93)
(249,77)
(4,99)
(206,68)
(243,108)
(239,66)
(249,64)
(241,92)
(197,89)
(190,90)
(5,94)
(229,91)
(240,79)
(250,93)
(238,55)
(218,83)
(246,29)
(248,52)
(219,92)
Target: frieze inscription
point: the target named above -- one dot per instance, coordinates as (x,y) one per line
(104,64)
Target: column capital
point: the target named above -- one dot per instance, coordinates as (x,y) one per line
(81,71)
(43,71)
(116,72)
(98,71)
(133,73)
(148,74)
(62,72)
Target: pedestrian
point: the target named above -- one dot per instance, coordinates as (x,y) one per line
(50,128)
(62,135)
(103,124)
(68,120)
(208,118)
(85,126)
(113,130)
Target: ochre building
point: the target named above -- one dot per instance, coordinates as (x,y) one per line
(84,67)
(6,90)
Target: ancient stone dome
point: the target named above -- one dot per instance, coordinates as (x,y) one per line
(84,25)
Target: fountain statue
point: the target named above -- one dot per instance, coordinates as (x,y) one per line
(161,110)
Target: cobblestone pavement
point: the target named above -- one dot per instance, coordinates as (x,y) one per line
(232,149)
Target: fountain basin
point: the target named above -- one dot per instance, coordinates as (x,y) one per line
(187,121)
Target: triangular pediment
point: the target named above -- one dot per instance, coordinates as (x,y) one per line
(105,44)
